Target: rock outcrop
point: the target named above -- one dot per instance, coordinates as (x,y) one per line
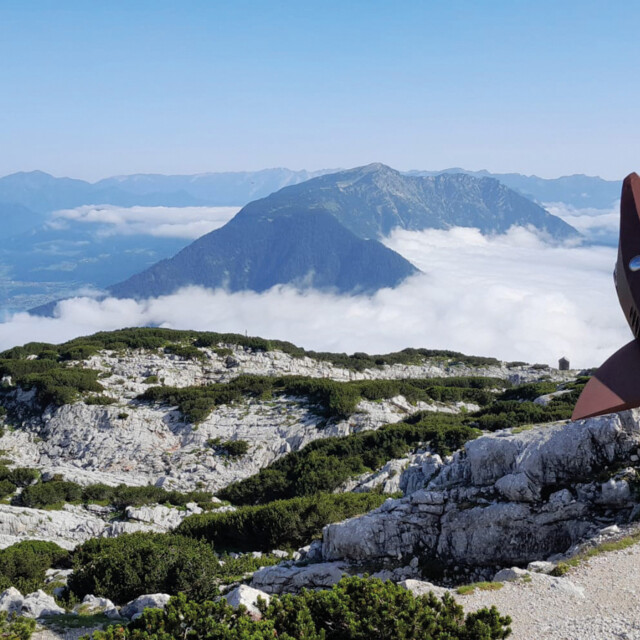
(505,499)
(34,605)
(137,443)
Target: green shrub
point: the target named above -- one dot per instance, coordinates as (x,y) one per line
(325,464)
(18,628)
(156,338)
(334,399)
(529,391)
(24,565)
(46,494)
(188,352)
(23,477)
(130,565)
(61,385)
(230,448)
(56,492)
(354,609)
(283,523)
(100,399)
(6,488)
(504,414)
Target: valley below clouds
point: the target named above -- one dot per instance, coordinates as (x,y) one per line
(512,296)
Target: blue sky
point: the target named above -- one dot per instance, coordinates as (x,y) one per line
(91,89)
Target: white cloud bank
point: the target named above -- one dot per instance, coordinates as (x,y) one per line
(511,296)
(166,222)
(600,226)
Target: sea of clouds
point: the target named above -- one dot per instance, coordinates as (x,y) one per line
(165,222)
(598,226)
(512,296)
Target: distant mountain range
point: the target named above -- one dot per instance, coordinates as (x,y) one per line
(40,261)
(42,193)
(578,191)
(324,233)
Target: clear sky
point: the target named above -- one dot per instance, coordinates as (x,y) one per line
(103,87)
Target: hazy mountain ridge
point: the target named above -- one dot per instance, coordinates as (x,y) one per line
(578,190)
(373,200)
(43,192)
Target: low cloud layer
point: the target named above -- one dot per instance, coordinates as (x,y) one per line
(166,222)
(510,296)
(599,226)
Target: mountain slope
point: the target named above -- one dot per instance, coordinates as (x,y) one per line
(305,248)
(15,218)
(577,190)
(323,233)
(371,201)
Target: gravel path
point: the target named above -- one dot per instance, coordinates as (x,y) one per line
(599,600)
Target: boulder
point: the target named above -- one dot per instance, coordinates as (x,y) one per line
(511,575)
(290,578)
(615,492)
(40,605)
(310,553)
(247,596)
(134,609)
(162,517)
(11,601)
(541,566)
(422,588)
(92,605)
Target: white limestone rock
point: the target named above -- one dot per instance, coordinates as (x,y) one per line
(160,516)
(11,601)
(517,487)
(66,528)
(247,596)
(541,566)
(136,607)
(511,575)
(289,578)
(544,400)
(422,468)
(422,588)
(485,505)
(615,492)
(92,605)
(40,605)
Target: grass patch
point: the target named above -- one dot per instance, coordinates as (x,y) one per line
(66,621)
(468,589)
